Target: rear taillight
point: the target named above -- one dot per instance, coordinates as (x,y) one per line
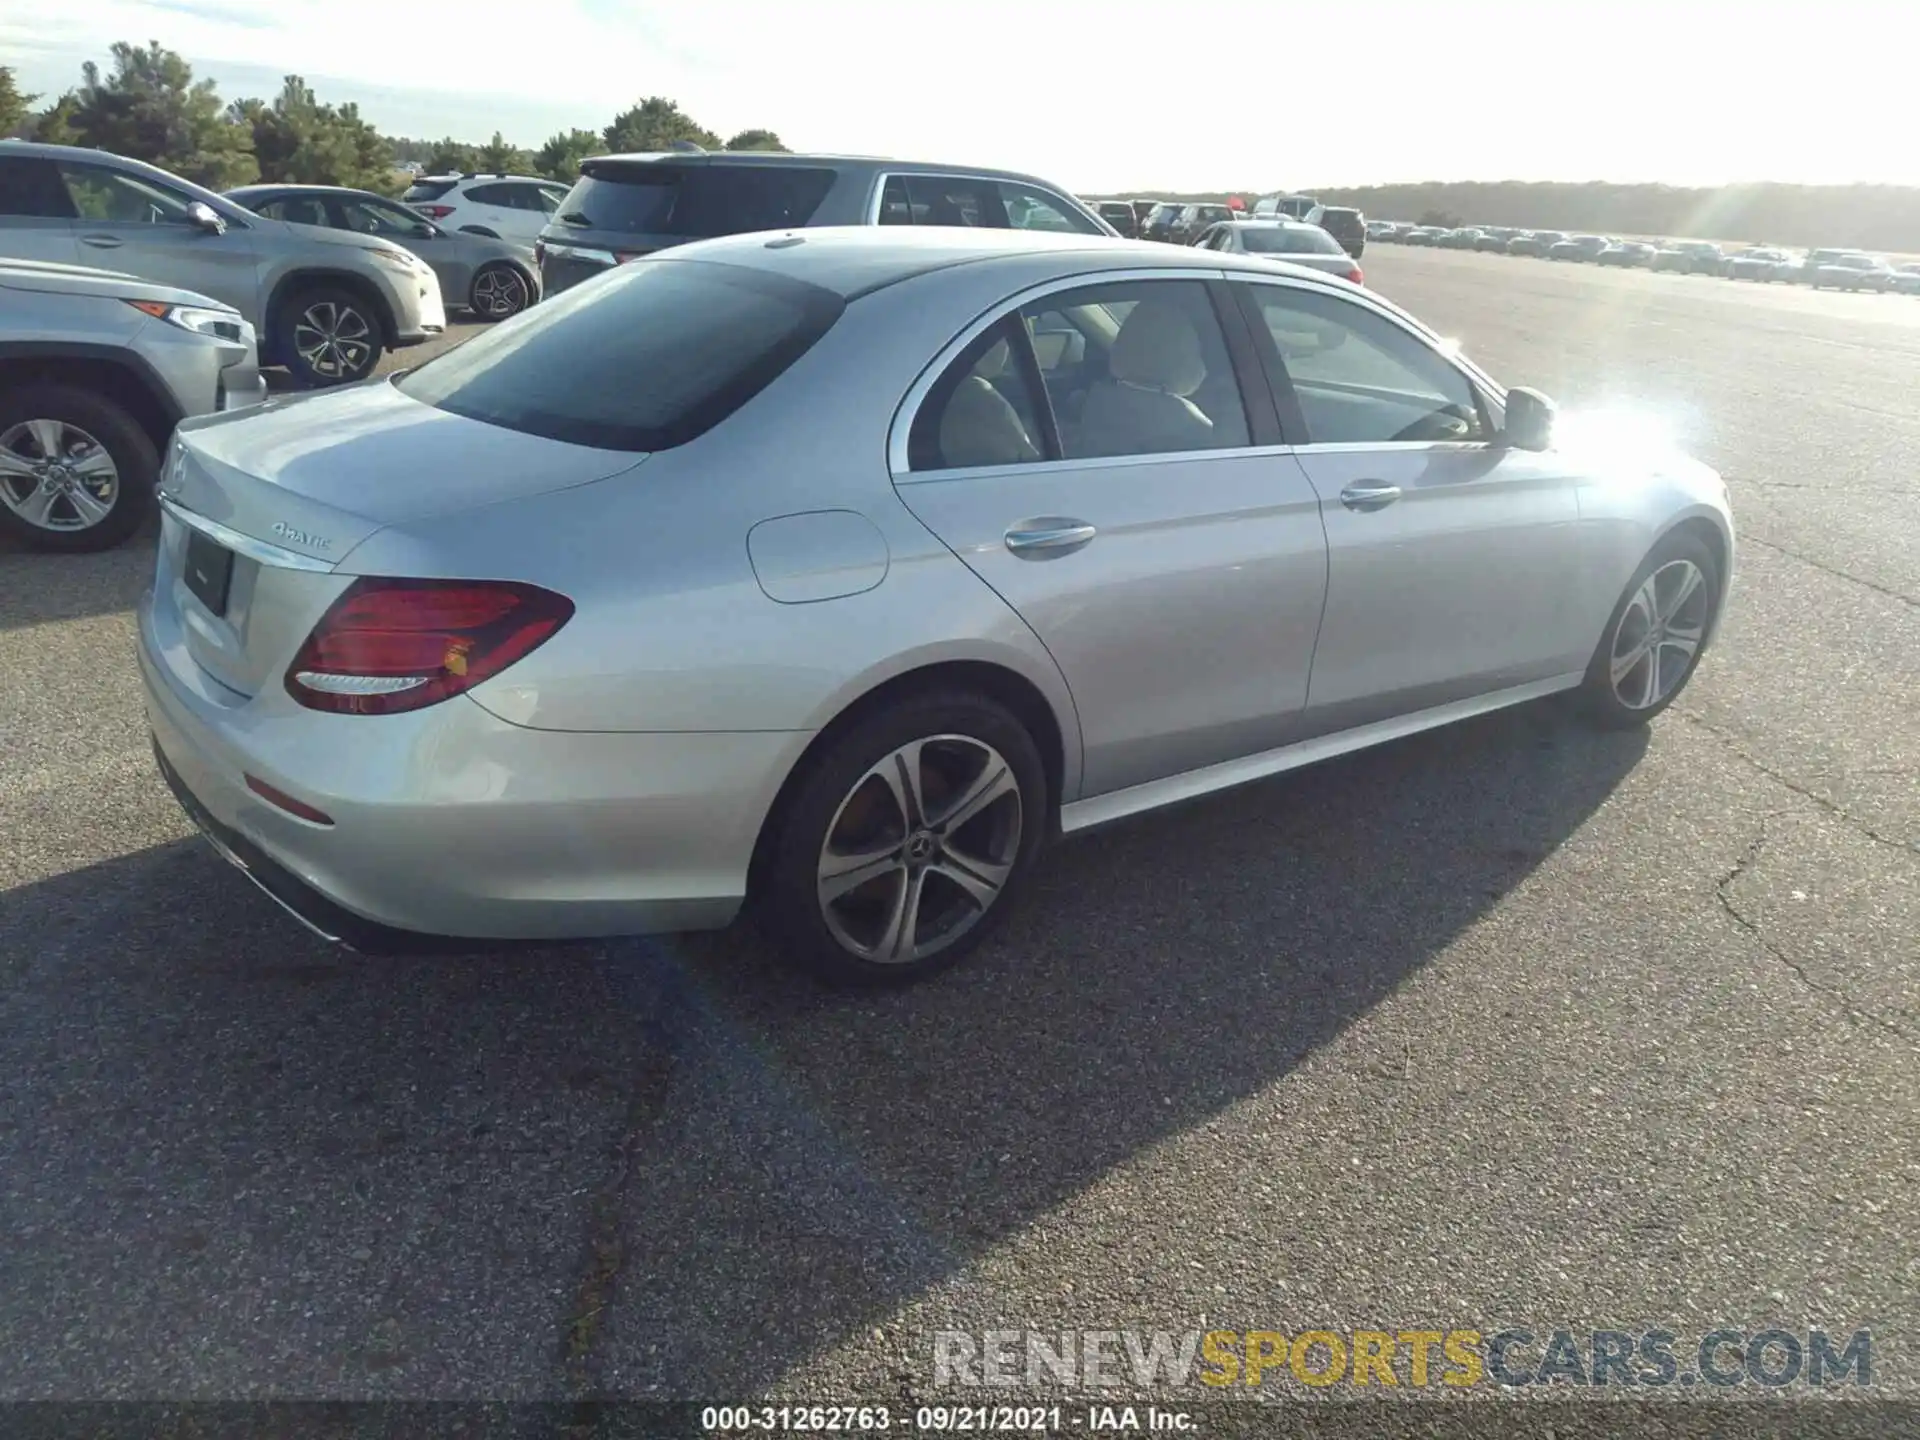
(435,212)
(388,646)
(621,257)
(1355,276)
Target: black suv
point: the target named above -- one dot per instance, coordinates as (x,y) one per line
(626,206)
(1346,225)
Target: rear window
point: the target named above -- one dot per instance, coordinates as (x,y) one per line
(695,201)
(424,190)
(1342,217)
(1259,240)
(649,357)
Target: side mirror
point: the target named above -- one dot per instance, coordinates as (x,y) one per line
(1529,421)
(203,216)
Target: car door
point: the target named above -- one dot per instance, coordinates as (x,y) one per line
(129,222)
(36,216)
(1454,562)
(1118,502)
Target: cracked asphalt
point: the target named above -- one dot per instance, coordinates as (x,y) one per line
(1509,1025)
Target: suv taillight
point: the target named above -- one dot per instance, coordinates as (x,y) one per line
(387,646)
(435,212)
(1355,276)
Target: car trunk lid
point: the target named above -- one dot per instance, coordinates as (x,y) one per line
(264,509)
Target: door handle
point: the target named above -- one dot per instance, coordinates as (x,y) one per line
(1369,495)
(101,242)
(1044,539)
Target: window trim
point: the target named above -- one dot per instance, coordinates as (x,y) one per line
(1488,396)
(899,433)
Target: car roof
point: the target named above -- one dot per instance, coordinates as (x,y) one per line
(807,160)
(269,187)
(855,260)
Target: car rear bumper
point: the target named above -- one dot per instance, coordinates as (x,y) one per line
(451,825)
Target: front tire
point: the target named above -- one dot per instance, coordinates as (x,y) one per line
(906,841)
(327,336)
(77,472)
(1654,637)
(498,291)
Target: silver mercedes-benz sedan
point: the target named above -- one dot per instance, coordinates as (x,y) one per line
(833,572)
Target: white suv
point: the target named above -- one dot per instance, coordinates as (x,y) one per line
(507,207)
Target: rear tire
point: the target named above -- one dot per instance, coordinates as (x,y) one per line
(498,291)
(327,336)
(1655,636)
(944,798)
(100,457)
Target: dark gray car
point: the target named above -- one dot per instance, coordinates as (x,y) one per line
(626,206)
(491,278)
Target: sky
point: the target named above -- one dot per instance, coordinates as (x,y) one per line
(1136,95)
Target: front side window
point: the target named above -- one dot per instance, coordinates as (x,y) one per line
(1030,209)
(115,197)
(652,356)
(1146,372)
(296,210)
(1361,379)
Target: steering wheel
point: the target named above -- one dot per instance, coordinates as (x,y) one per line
(1449,422)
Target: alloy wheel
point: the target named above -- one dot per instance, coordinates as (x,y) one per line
(334,340)
(1658,635)
(56,476)
(499,292)
(920,849)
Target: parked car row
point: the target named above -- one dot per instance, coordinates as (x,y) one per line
(1189,224)
(1822,269)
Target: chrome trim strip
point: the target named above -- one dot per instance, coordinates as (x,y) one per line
(258,550)
(1117,804)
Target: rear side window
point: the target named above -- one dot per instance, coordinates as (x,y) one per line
(653,355)
(32,187)
(423,190)
(504,197)
(1258,240)
(696,201)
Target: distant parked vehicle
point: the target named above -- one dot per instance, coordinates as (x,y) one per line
(1344,223)
(1119,214)
(1425,235)
(1463,238)
(1578,247)
(1626,254)
(1854,272)
(505,207)
(1294,241)
(96,368)
(1691,257)
(1194,220)
(1494,238)
(1142,209)
(1802,270)
(1905,279)
(490,278)
(1757,262)
(1291,207)
(1535,242)
(1160,220)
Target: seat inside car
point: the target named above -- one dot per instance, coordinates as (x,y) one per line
(1155,365)
(980,425)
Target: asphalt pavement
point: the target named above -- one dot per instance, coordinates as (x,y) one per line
(1509,1025)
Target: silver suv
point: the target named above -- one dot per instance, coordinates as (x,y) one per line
(326,303)
(95,371)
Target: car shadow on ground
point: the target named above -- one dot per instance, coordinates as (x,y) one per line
(675,1168)
(39,587)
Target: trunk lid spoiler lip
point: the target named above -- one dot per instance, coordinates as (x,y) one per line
(243,544)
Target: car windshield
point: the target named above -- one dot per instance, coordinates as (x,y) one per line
(1275,240)
(658,352)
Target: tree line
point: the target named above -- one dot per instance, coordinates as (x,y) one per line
(148,106)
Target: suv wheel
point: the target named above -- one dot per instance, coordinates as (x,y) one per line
(327,337)
(76,471)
